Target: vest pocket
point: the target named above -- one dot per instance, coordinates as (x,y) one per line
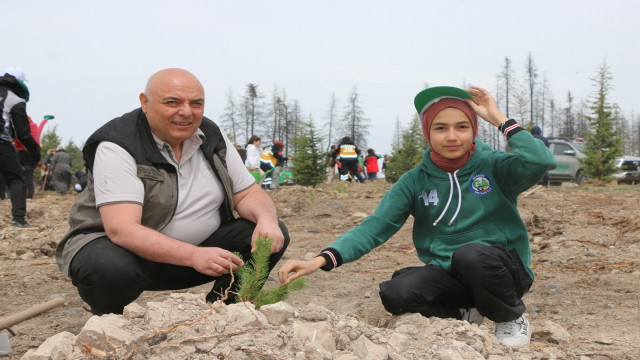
(145,172)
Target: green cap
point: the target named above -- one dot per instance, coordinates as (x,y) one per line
(428,96)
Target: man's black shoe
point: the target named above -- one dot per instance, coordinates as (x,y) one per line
(20,223)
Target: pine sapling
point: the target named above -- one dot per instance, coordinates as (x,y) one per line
(253,275)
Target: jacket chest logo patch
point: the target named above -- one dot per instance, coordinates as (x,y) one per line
(480,184)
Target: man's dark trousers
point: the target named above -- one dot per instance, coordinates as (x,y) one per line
(109,277)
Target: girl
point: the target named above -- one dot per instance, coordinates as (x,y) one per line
(467,229)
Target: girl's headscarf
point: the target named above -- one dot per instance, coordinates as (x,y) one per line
(449,165)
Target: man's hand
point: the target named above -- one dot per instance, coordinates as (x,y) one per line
(255,205)
(485,105)
(299,268)
(268,229)
(214,261)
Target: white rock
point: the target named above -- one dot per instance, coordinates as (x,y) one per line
(319,333)
(398,341)
(366,349)
(106,331)
(133,310)
(27,256)
(244,315)
(279,313)
(347,357)
(57,347)
(550,331)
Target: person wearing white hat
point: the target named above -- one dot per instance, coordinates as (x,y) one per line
(15,124)
(16,72)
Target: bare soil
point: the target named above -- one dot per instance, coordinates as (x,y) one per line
(585,242)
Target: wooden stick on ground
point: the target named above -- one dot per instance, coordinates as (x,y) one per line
(531,191)
(30,312)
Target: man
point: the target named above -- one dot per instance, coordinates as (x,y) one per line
(14,123)
(157,213)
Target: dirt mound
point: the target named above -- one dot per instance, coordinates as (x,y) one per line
(185,326)
(586,253)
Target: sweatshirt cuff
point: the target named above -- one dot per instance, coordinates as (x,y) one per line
(332,258)
(509,128)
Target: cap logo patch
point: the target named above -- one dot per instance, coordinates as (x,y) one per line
(480,184)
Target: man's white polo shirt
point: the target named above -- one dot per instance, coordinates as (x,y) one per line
(200,193)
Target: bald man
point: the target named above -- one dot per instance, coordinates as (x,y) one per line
(158,210)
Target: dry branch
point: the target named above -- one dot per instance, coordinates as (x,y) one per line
(531,191)
(587,241)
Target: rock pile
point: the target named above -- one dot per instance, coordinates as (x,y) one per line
(186,327)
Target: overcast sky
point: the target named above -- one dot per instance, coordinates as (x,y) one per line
(87,61)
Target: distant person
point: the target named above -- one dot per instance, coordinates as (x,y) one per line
(81,177)
(268,161)
(362,170)
(281,162)
(252,162)
(25,158)
(253,152)
(347,155)
(61,165)
(14,123)
(242,152)
(371,163)
(536,132)
(477,261)
(385,160)
(47,171)
(159,210)
(331,159)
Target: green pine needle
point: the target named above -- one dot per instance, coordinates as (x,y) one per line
(252,276)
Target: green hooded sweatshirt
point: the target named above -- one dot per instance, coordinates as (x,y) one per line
(480,207)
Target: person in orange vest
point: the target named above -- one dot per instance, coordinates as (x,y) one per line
(268,160)
(347,155)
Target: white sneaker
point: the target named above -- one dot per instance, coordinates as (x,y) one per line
(471,316)
(514,333)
